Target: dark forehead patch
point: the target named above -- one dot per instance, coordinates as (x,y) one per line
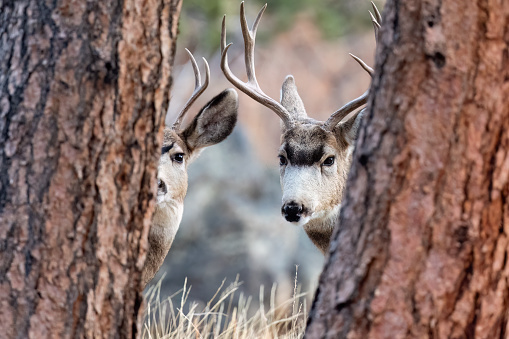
(172,140)
(166,149)
(303,156)
(305,146)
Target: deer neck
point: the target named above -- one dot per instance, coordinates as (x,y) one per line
(319,230)
(165,224)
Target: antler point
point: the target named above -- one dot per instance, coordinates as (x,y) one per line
(251,87)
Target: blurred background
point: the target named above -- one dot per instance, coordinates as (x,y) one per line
(232,223)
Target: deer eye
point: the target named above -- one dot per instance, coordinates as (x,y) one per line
(178,157)
(282,160)
(329,161)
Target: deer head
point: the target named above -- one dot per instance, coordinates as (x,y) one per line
(315,156)
(181,146)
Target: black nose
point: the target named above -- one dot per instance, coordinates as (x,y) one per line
(161,187)
(291,211)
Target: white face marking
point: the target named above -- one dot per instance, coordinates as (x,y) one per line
(311,188)
(300,185)
(316,188)
(172,176)
(302,221)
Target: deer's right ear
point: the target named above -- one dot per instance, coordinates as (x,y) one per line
(214,122)
(291,100)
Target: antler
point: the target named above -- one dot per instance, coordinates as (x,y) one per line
(198,89)
(337,116)
(351,106)
(251,87)
(375,19)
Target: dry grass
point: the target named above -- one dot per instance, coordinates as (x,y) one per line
(220,318)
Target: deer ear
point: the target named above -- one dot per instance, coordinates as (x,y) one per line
(350,128)
(291,100)
(214,122)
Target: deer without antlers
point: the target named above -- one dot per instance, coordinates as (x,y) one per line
(181,146)
(315,156)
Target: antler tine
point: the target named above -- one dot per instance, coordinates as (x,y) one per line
(250,36)
(377,13)
(376,25)
(251,87)
(375,19)
(196,70)
(198,88)
(363,64)
(337,116)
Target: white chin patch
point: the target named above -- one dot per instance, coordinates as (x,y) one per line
(302,221)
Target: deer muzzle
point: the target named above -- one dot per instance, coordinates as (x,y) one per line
(292,211)
(161,187)
(299,201)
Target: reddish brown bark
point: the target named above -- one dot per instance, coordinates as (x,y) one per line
(83,87)
(421,250)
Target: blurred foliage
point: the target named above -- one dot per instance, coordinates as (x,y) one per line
(200,21)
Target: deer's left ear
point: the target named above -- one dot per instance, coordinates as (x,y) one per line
(214,122)
(350,128)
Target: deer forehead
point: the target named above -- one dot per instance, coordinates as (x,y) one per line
(173,142)
(306,145)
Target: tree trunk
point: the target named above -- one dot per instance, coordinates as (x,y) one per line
(421,250)
(83,91)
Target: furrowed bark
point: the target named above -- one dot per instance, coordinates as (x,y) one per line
(83,91)
(422,245)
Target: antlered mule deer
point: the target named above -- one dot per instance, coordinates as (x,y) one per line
(181,146)
(315,156)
